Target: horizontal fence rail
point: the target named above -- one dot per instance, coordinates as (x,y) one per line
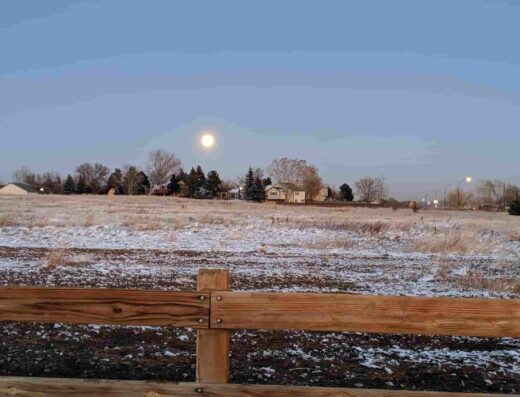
(47,387)
(364,313)
(214,312)
(105,306)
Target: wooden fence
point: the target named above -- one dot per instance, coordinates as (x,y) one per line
(214,311)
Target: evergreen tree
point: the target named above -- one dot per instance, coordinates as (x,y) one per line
(196,183)
(258,190)
(81,187)
(173,186)
(213,182)
(69,187)
(249,189)
(144,186)
(115,181)
(346,193)
(514,207)
(266,182)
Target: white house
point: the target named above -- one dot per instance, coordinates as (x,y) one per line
(17,189)
(285,192)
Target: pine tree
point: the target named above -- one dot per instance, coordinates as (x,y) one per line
(173,186)
(249,189)
(258,190)
(69,187)
(81,187)
(144,186)
(115,181)
(514,207)
(213,182)
(196,183)
(266,182)
(345,192)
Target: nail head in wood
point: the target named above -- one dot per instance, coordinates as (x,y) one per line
(199,390)
(219,320)
(201,320)
(219,298)
(202,297)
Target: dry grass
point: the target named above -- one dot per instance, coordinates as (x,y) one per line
(7,221)
(326,244)
(60,257)
(441,231)
(451,241)
(372,228)
(475,280)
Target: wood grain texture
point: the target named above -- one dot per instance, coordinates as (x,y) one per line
(105,306)
(213,345)
(363,313)
(48,387)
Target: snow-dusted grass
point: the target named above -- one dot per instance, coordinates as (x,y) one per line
(481,249)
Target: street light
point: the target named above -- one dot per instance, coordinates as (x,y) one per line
(468,179)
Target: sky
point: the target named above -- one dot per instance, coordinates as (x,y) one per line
(421,92)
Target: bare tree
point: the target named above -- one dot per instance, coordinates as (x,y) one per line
(25,175)
(95,175)
(460,198)
(370,189)
(286,170)
(161,164)
(132,178)
(311,182)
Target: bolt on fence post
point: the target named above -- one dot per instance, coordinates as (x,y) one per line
(212,344)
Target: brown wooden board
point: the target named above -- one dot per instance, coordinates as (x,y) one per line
(48,387)
(212,344)
(364,313)
(105,306)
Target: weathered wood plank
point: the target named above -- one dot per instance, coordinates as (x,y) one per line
(213,345)
(105,306)
(362,313)
(48,387)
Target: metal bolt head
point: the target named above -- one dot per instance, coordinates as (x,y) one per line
(219,320)
(219,298)
(199,390)
(201,320)
(202,297)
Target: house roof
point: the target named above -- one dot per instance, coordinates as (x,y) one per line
(24,186)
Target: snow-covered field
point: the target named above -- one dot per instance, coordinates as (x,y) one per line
(160,243)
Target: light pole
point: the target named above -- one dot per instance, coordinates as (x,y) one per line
(445,197)
(467,179)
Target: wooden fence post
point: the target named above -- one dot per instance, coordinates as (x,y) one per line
(212,344)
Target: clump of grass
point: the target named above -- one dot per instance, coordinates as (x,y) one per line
(444,270)
(329,244)
(373,228)
(89,220)
(449,242)
(60,258)
(6,221)
(475,280)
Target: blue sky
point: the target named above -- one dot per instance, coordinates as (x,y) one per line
(422,92)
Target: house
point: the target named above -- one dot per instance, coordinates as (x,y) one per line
(160,190)
(285,193)
(275,193)
(231,194)
(17,189)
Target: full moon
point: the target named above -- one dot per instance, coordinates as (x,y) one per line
(207,141)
